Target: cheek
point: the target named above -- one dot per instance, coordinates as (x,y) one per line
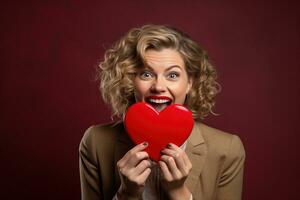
(140,88)
(179,90)
(183,85)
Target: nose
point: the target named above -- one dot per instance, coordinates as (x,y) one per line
(158,86)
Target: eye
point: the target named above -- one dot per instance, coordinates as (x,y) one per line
(145,75)
(173,75)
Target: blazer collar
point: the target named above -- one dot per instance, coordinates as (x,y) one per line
(196,137)
(123,144)
(195,149)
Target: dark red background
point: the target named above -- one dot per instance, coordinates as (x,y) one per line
(49,50)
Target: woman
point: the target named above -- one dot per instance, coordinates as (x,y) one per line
(148,64)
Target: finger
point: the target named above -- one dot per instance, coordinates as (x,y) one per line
(136,158)
(185,158)
(187,161)
(177,154)
(129,169)
(174,147)
(141,179)
(140,147)
(141,167)
(170,162)
(135,149)
(165,171)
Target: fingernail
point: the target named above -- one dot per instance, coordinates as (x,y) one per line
(145,143)
(169,145)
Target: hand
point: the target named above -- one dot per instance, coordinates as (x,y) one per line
(175,166)
(134,169)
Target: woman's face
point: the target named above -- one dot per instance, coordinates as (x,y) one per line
(163,81)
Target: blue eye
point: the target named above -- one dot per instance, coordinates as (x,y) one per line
(173,75)
(145,75)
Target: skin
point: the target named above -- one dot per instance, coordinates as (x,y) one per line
(134,169)
(164,75)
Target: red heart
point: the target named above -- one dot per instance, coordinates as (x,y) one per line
(172,125)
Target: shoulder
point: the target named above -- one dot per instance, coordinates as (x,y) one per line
(222,143)
(228,151)
(103,131)
(101,136)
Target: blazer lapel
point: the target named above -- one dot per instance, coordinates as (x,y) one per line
(196,150)
(123,144)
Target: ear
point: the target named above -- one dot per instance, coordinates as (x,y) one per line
(190,85)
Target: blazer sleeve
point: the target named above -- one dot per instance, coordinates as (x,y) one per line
(88,167)
(231,181)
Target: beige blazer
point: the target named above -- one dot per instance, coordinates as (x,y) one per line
(217,158)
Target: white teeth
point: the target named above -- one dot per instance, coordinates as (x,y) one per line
(158,100)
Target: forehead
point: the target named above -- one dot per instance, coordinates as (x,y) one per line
(163,58)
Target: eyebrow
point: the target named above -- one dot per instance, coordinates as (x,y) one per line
(169,68)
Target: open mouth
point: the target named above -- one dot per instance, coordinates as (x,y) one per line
(159,102)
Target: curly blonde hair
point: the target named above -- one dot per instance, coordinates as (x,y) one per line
(123,59)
